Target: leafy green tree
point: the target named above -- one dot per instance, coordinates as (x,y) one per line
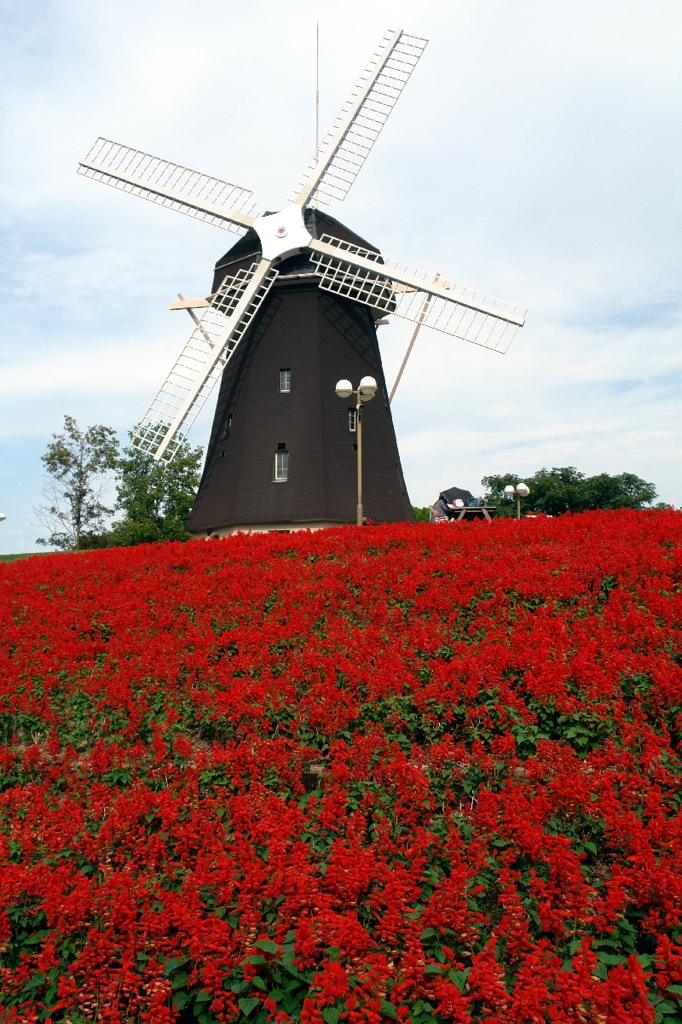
(622,491)
(156,498)
(79,464)
(558,490)
(421,514)
(494,494)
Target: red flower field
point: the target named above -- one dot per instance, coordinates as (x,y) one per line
(417,773)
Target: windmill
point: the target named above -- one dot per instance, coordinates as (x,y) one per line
(293,308)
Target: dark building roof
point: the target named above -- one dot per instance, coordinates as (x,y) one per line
(247,249)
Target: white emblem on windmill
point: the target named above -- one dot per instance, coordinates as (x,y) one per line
(359,274)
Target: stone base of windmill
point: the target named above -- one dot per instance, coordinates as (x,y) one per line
(227,531)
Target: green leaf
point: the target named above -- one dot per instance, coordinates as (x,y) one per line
(433,969)
(36,980)
(267,946)
(179,980)
(330,1015)
(203,996)
(254,959)
(459,978)
(247,1005)
(388,1009)
(50,994)
(591,847)
(259,983)
(611,958)
(181,999)
(172,964)
(677,989)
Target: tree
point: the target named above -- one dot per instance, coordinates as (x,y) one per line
(558,490)
(155,497)
(79,464)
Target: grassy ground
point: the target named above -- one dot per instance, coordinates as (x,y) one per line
(27,554)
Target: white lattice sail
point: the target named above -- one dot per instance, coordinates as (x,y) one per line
(345,147)
(177,188)
(393,287)
(385,285)
(202,361)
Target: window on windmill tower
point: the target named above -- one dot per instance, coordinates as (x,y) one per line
(352,418)
(285,380)
(281,466)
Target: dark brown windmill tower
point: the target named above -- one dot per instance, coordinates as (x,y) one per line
(293,309)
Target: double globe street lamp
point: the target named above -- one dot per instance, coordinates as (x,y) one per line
(521,491)
(365,392)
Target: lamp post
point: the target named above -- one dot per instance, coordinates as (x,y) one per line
(365,392)
(521,491)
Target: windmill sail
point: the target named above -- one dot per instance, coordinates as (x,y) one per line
(348,142)
(394,287)
(202,361)
(178,188)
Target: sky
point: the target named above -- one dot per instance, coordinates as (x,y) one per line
(535,154)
